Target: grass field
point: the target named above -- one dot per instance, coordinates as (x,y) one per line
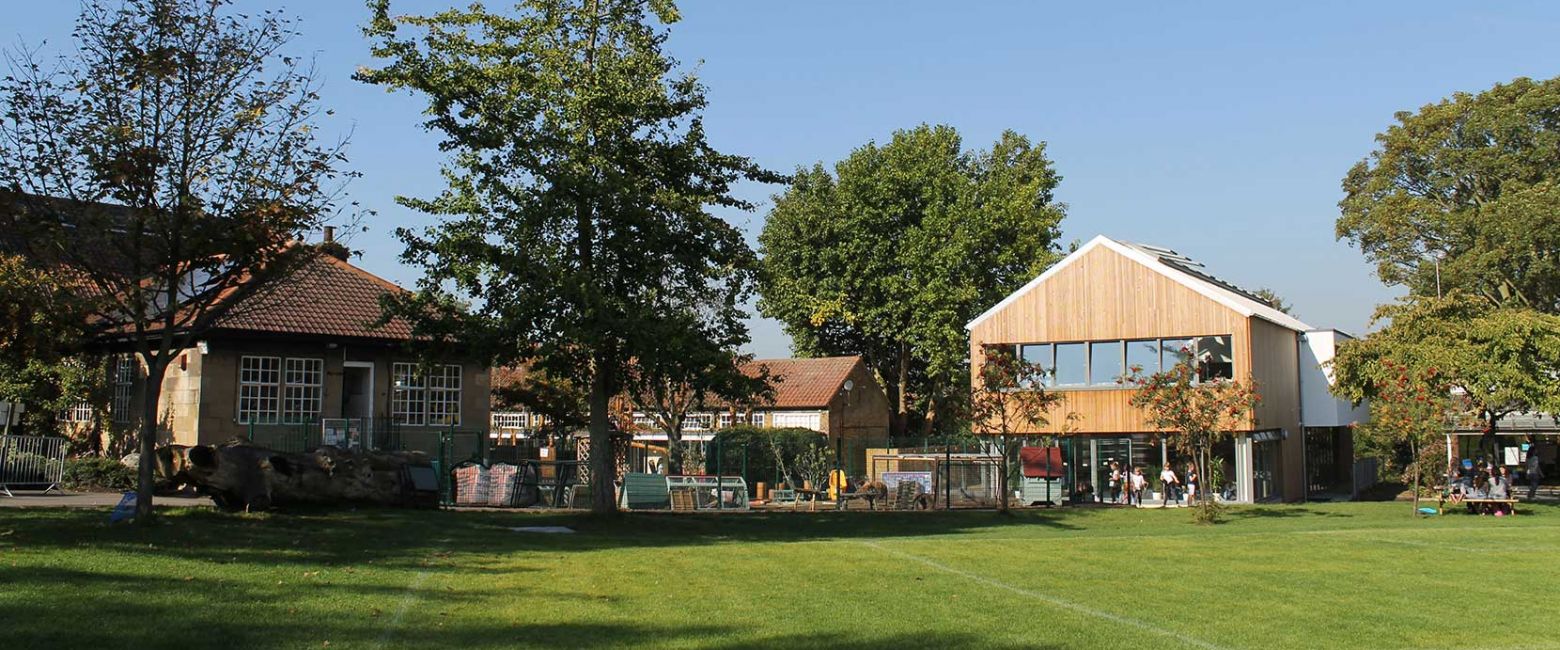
(1364,575)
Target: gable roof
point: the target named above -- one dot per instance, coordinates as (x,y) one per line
(1179,268)
(327,296)
(805,383)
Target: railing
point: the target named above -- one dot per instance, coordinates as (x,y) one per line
(31,460)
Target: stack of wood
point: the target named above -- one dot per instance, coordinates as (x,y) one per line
(241,476)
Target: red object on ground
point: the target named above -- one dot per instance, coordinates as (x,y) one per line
(1041,462)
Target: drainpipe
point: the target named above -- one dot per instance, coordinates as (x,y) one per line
(1305,468)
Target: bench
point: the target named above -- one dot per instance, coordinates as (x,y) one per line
(1509,502)
(782,496)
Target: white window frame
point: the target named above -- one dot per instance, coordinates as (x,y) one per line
(303,389)
(409,395)
(756,419)
(725,420)
(444,389)
(259,390)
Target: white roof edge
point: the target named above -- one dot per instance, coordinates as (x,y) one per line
(1217,294)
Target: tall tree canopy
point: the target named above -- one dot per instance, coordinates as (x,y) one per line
(578,187)
(166,166)
(902,244)
(1495,361)
(1472,182)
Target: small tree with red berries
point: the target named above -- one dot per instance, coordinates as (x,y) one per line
(1009,398)
(1200,414)
(1409,407)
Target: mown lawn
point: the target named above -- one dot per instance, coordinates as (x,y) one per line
(1364,575)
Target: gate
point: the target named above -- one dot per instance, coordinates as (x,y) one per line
(31,460)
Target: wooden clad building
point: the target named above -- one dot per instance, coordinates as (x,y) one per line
(1111,306)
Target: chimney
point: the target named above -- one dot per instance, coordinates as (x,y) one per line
(330,234)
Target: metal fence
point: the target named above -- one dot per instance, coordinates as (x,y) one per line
(31,461)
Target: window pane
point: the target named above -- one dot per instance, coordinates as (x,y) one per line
(1215,358)
(1105,363)
(444,396)
(1040,354)
(259,389)
(305,380)
(1071,364)
(1144,356)
(1174,351)
(408,402)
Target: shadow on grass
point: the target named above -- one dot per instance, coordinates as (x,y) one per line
(105,611)
(1281,512)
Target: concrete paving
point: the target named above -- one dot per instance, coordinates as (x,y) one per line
(58,499)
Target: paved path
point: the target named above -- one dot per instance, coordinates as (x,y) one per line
(57,499)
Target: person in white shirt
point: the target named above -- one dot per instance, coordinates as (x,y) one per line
(1139,481)
(1169,486)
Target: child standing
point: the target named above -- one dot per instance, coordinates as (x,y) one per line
(1139,481)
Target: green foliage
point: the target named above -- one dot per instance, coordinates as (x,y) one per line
(770,454)
(1474,179)
(902,244)
(96,473)
(1497,360)
(1195,415)
(1207,512)
(575,218)
(166,166)
(1008,398)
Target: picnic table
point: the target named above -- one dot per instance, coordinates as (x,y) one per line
(1509,501)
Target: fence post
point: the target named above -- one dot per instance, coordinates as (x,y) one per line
(720,501)
(947,476)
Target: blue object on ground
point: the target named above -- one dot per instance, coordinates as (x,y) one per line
(1429,511)
(125,509)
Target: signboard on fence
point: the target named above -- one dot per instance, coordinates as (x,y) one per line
(341,432)
(891,480)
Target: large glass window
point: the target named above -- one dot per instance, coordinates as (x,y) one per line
(409,401)
(1105,363)
(1072,364)
(1174,351)
(305,383)
(1040,354)
(259,389)
(1143,357)
(444,396)
(1215,358)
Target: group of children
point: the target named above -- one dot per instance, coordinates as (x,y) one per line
(1481,481)
(1127,485)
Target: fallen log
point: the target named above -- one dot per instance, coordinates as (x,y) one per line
(238,475)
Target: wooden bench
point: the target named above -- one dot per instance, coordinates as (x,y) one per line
(1509,502)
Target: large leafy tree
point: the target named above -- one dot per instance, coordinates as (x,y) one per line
(578,187)
(165,168)
(1465,193)
(43,326)
(891,253)
(1494,360)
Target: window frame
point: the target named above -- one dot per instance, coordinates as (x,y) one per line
(258,402)
(300,392)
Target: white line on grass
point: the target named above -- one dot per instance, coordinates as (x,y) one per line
(1047,598)
(400,610)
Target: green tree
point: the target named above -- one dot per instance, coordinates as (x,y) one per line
(902,244)
(1196,414)
(1494,360)
(1008,399)
(167,166)
(1465,193)
(43,327)
(1274,300)
(1409,408)
(578,187)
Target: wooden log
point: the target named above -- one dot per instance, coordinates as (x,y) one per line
(241,476)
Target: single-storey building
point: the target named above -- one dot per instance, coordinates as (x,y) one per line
(305,363)
(1112,305)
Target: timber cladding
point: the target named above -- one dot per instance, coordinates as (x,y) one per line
(1103,295)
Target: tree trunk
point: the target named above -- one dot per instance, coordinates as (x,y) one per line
(151,393)
(674,452)
(602,456)
(1413,448)
(902,403)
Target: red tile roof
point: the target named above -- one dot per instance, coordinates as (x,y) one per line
(326,297)
(805,383)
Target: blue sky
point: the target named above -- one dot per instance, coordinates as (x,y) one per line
(1218,129)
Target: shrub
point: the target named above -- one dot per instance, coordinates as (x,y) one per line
(95,473)
(1207,512)
(748,446)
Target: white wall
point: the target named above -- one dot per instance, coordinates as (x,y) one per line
(1321,409)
